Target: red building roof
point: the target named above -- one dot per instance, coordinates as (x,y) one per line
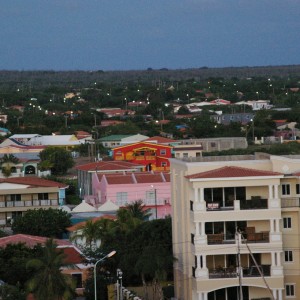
(73,255)
(29,240)
(33,182)
(230,171)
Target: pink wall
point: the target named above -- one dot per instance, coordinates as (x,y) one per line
(134,192)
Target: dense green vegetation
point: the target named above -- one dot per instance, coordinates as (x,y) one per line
(47,109)
(43,222)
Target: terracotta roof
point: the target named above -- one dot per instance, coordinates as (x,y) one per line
(108,166)
(120,179)
(230,171)
(148,178)
(29,240)
(81,224)
(73,256)
(135,177)
(33,182)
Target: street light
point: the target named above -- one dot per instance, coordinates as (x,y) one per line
(252,129)
(119,288)
(95,267)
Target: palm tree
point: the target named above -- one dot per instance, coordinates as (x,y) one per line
(125,222)
(48,283)
(93,231)
(137,210)
(7,162)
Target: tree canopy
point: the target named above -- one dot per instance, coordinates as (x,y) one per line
(43,222)
(57,159)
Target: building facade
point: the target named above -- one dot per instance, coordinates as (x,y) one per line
(19,194)
(152,156)
(236,227)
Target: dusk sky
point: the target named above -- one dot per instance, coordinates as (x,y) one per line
(138,34)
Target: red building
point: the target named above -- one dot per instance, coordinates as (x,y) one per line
(153,156)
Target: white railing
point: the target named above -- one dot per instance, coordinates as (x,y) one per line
(28,203)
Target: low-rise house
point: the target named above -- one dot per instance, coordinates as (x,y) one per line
(116,140)
(152,156)
(85,172)
(214,144)
(19,194)
(66,141)
(74,259)
(153,189)
(226,119)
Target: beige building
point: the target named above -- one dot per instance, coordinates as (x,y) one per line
(236,227)
(19,194)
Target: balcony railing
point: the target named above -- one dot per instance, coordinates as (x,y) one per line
(290,202)
(255,203)
(220,238)
(254,272)
(229,238)
(28,203)
(232,272)
(257,237)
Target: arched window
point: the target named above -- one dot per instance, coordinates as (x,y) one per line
(30,170)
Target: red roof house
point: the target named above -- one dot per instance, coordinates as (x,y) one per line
(151,155)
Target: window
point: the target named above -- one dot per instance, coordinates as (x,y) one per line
(163,164)
(290,290)
(285,189)
(15,197)
(185,155)
(297,188)
(287,222)
(288,256)
(150,195)
(77,278)
(43,196)
(191,205)
(122,198)
(193,239)
(163,152)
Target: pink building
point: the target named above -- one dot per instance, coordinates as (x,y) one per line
(124,188)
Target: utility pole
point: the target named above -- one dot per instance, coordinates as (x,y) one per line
(240,269)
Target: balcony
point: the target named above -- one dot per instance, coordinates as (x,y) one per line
(28,203)
(232,272)
(254,203)
(220,238)
(290,202)
(256,237)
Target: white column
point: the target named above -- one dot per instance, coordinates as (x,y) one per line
(275,293)
(278,259)
(270,191)
(277,226)
(201,194)
(204,261)
(196,195)
(279,295)
(276,188)
(197,228)
(273,259)
(202,228)
(198,261)
(272,225)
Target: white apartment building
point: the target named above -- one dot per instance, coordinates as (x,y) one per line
(236,227)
